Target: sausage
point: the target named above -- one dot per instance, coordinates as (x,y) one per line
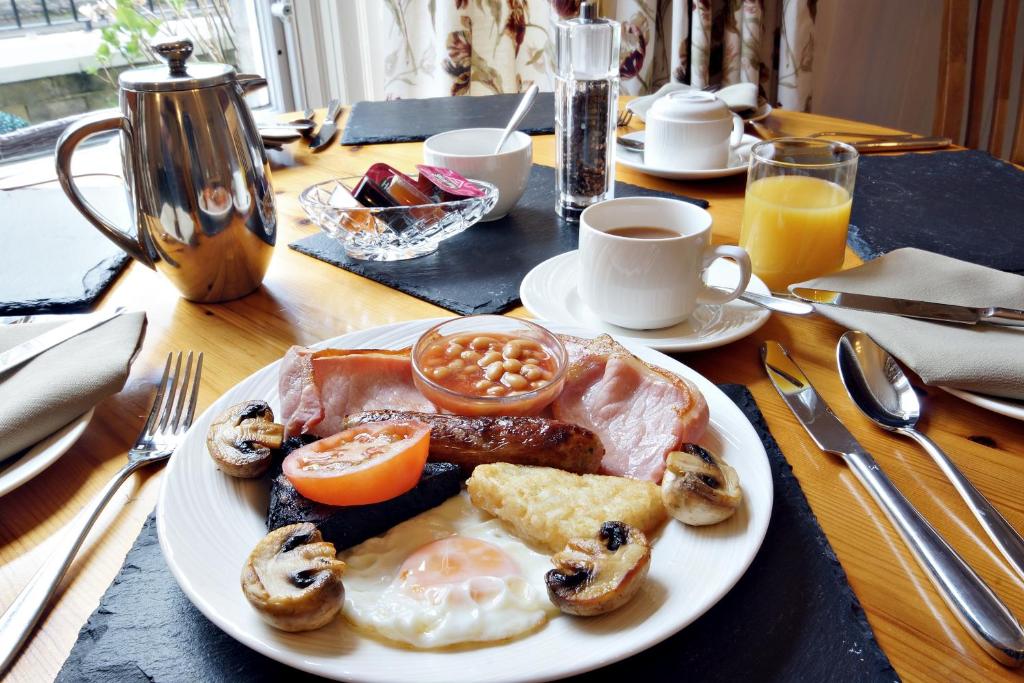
(472,441)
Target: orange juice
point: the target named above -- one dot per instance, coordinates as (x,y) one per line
(794,228)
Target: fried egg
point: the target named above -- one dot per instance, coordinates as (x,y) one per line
(450,575)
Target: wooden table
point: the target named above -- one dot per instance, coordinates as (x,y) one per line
(303,300)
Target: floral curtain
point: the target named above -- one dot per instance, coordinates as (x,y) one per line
(479,47)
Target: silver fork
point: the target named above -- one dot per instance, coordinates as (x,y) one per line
(625,116)
(173,408)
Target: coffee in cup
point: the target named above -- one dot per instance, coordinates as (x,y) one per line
(642,259)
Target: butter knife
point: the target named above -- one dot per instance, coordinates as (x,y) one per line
(981,612)
(328,129)
(908,308)
(28,350)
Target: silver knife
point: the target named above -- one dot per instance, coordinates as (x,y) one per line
(28,350)
(982,614)
(901,145)
(925,310)
(328,129)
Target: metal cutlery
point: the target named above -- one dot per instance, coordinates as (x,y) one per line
(525,104)
(328,129)
(171,415)
(773,303)
(981,612)
(878,386)
(629,143)
(624,117)
(908,308)
(28,350)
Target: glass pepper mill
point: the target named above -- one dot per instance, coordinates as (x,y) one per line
(586,101)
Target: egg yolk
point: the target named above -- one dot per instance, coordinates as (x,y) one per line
(455,560)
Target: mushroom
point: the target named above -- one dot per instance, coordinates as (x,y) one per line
(293,580)
(699,487)
(597,575)
(241,438)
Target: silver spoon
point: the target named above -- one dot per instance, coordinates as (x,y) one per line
(877,384)
(518,115)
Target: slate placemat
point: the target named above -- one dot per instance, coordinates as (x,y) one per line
(792,617)
(53,259)
(479,271)
(964,204)
(417,119)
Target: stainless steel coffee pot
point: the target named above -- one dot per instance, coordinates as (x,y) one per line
(196,171)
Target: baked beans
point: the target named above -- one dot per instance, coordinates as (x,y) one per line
(495,364)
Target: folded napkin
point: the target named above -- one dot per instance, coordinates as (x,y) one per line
(49,391)
(738,97)
(984,358)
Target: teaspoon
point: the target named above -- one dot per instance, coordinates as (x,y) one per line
(879,387)
(518,115)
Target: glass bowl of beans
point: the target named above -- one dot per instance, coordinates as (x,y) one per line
(390,233)
(489,365)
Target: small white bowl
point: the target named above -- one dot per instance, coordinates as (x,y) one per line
(470,151)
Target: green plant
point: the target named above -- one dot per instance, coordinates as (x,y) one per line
(129,27)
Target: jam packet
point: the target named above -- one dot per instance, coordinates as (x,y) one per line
(399,186)
(444,184)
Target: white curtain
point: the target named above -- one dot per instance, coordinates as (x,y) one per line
(477,47)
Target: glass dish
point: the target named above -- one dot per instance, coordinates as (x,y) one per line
(530,402)
(390,233)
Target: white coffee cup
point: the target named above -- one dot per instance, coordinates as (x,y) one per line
(470,152)
(690,130)
(644,283)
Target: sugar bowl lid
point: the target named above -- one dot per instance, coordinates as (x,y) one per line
(690,105)
(176,75)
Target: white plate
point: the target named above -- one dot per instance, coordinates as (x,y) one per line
(997,404)
(549,292)
(208,523)
(18,470)
(631,158)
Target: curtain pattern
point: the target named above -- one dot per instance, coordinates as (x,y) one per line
(479,47)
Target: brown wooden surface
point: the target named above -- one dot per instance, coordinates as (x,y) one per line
(949,98)
(303,300)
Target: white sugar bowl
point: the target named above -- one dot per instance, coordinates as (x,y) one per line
(690,130)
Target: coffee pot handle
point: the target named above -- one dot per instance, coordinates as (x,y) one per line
(710,295)
(69,140)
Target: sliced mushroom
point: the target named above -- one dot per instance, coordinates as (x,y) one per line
(597,575)
(241,438)
(293,579)
(699,487)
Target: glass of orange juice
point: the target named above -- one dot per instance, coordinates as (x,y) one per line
(797,208)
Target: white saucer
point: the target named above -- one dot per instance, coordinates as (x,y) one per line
(997,404)
(19,469)
(633,159)
(549,292)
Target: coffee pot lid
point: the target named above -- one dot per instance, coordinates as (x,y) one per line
(176,75)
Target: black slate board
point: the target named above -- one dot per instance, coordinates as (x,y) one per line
(792,617)
(966,204)
(417,119)
(480,270)
(53,260)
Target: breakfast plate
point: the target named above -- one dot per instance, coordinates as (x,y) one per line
(208,523)
(549,292)
(997,404)
(20,469)
(634,159)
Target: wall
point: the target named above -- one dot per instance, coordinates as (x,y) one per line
(876,61)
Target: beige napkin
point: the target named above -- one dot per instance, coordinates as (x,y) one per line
(55,387)
(983,358)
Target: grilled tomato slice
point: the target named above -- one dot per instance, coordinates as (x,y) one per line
(366,464)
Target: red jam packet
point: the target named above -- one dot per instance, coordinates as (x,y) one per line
(399,186)
(450,184)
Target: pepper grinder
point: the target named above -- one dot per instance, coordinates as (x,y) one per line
(586,101)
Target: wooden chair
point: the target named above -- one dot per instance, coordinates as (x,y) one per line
(960,94)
